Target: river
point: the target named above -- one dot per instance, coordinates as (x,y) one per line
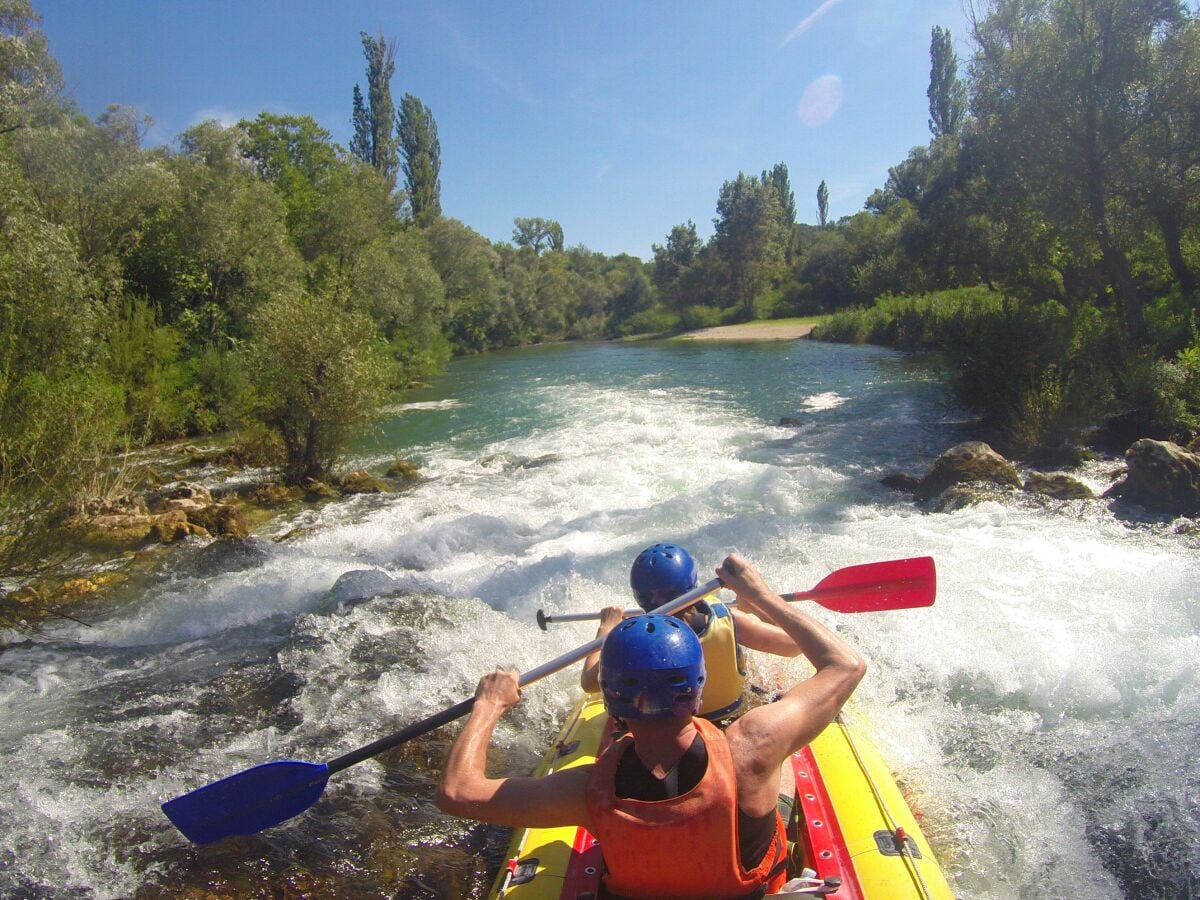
(1044,715)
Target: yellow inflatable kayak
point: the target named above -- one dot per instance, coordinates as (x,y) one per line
(855,837)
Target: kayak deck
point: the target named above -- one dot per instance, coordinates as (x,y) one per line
(852,829)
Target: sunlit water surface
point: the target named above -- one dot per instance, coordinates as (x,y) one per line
(1043,715)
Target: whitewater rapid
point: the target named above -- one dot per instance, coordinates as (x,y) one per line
(1043,715)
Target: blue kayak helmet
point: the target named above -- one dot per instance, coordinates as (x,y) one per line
(660,574)
(651,667)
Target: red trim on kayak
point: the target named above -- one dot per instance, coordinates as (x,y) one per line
(583,872)
(819,834)
(582,877)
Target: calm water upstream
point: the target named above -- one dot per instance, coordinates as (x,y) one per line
(1044,715)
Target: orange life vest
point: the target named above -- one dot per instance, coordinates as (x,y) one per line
(685,847)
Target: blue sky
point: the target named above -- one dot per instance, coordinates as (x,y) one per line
(617,119)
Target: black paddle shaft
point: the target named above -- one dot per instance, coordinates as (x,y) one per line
(415,730)
(437,720)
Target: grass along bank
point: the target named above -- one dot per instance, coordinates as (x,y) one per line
(1044,377)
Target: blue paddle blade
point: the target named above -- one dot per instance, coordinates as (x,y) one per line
(249,801)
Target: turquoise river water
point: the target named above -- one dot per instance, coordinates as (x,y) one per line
(1044,715)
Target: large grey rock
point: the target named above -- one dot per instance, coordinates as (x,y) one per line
(965,463)
(1162,477)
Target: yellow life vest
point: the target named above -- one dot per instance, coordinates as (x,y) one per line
(723,664)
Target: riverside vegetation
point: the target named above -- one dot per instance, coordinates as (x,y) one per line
(262,281)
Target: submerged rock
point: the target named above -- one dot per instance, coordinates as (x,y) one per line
(174,526)
(1162,477)
(362,584)
(318,490)
(901,481)
(221,518)
(1060,487)
(963,495)
(363,482)
(272,494)
(230,555)
(971,461)
(404,470)
(114,531)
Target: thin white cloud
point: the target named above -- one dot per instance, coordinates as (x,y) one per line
(809,21)
(495,72)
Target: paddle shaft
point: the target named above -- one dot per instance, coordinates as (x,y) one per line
(829,593)
(437,720)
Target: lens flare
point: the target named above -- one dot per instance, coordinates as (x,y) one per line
(820,101)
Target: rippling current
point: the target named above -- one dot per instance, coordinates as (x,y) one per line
(1043,716)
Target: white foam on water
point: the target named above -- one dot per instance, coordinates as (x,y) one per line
(825,400)
(1039,712)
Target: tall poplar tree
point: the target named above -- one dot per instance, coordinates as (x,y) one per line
(418,136)
(822,203)
(778,179)
(374,141)
(947,96)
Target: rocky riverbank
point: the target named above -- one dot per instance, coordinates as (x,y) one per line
(170,503)
(1160,478)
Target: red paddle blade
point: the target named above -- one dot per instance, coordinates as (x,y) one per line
(875,587)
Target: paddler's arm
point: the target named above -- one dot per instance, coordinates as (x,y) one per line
(764,737)
(754,633)
(610,618)
(465,790)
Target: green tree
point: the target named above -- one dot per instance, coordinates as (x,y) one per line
(466,262)
(95,180)
(822,203)
(1165,155)
(319,373)
(394,283)
(354,209)
(30,79)
(60,414)
(673,261)
(537,233)
(374,139)
(422,159)
(906,182)
(947,96)
(297,156)
(218,252)
(631,291)
(747,236)
(778,180)
(1061,90)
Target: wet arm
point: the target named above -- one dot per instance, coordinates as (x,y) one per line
(465,789)
(589,680)
(764,737)
(756,634)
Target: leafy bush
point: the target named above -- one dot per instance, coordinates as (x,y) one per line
(1037,373)
(1171,323)
(319,373)
(1162,397)
(694,317)
(655,320)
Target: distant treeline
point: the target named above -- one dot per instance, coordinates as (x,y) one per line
(263,280)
